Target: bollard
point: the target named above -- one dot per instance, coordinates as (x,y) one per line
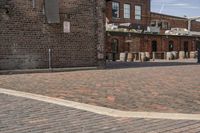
(198,55)
(135,57)
(165,55)
(154,56)
(139,56)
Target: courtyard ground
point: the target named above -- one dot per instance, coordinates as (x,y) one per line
(22,115)
(171,87)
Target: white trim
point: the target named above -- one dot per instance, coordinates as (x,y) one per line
(101,110)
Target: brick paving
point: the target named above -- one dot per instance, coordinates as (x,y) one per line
(23,115)
(164,88)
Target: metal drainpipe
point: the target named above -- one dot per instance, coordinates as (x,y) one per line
(189,26)
(198,55)
(34,4)
(50,66)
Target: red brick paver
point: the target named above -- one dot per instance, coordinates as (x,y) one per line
(158,89)
(21,115)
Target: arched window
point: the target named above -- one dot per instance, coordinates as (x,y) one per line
(171,46)
(154,46)
(115,46)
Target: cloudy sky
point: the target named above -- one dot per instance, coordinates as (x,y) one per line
(177,7)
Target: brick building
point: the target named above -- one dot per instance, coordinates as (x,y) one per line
(72,29)
(132,27)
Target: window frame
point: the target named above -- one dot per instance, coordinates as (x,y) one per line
(138,15)
(129,11)
(165,25)
(118,11)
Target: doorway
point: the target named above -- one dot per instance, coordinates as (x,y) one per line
(115,49)
(197,45)
(186,49)
(185,46)
(154,46)
(198,50)
(171,46)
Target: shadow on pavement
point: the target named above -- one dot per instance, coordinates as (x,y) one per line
(122,65)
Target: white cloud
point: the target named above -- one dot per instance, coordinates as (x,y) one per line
(173,3)
(183,5)
(179,4)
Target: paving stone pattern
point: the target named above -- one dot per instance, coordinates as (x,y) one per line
(21,115)
(172,89)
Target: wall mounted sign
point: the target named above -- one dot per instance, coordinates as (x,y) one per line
(66,25)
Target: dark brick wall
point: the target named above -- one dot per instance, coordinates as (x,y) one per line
(25,35)
(143,42)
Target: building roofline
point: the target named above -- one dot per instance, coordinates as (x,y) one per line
(127,33)
(168,15)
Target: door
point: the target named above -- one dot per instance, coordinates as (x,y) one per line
(186,48)
(154,46)
(171,46)
(197,45)
(198,49)
(114,49)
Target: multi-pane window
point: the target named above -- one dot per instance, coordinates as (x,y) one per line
(138,12)
(165,25)
(127,11)
(115,9)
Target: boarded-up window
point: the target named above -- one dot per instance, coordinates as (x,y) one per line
(52,11)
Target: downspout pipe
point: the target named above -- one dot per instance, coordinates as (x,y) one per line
(50,64)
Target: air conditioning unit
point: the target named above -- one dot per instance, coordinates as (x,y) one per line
(111,27)
(177,31)
(155,30)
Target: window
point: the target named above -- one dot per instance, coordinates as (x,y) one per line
(127,11)
(115,9)
(153,23)
(165,25)
(138,12)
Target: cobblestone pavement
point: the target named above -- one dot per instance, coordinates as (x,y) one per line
(20,115)
(166,88)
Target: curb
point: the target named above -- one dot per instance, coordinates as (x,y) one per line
(102,110)
(25,71)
